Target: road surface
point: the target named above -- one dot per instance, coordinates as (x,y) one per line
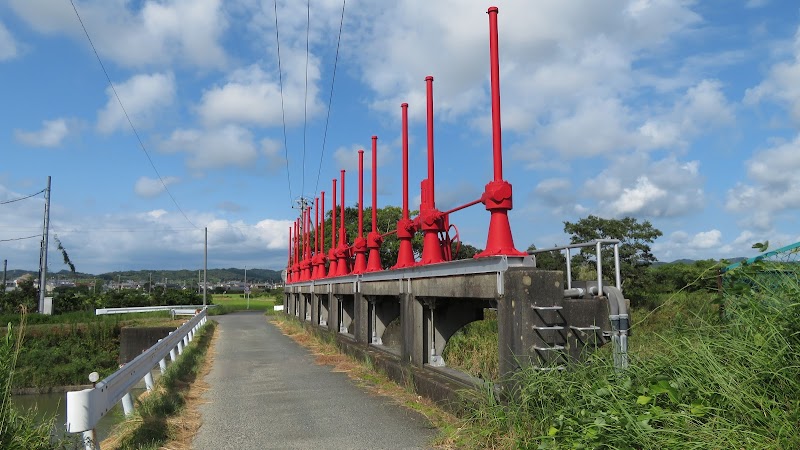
(267,393)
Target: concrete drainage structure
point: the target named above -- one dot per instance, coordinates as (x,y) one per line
(423,306)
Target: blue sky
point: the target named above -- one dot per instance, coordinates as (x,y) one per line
(682,113)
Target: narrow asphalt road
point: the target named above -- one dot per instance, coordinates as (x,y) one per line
(267,393)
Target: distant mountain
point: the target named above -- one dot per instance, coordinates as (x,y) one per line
(172,276)
(692,261)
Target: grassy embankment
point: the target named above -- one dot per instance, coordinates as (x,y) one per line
(237,302)
(696,381)
(62,350)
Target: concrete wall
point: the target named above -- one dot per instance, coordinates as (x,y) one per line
(134,341)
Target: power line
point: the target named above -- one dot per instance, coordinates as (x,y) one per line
(21,198)
(21,238)
(330,98)
(283,109)
(125,112)
(305,100)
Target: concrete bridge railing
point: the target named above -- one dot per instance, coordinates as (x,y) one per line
(85,408)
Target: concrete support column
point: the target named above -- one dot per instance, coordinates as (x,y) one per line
(333,312)
(361,318)
(315,308)
(411,318)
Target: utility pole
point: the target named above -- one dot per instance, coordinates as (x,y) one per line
(43,250)
(5,267)
(150,285)
(246,288)
(205,267)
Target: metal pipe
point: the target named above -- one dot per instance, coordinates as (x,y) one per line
(599,270)
(332,252)
(374,184)
(322,230)
(569,269)
(459,208)
(429,97)
(316,226)
(404,108)
(342,238)
(360,193)
(617,276)
(497,141)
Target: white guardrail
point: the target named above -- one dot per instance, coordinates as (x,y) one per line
(85,408)
(141,309)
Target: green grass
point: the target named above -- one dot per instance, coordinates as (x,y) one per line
(237,302)
(696,381)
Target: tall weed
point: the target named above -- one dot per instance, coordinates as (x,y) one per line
(716,383)
(18,430)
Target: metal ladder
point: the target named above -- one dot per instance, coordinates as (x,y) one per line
(550,326)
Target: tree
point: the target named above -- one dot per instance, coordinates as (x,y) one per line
(554,260)
(634,249)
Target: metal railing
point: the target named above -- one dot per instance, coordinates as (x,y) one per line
(618,306)
(85,408)
(142,309)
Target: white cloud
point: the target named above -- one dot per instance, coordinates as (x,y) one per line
(252,96)
(557,60)
(781,85)
(775,187)
(638,186)
(143,96)
(635,199)
(702,107)
(151,187)
(347,157)
(706,239)
(137,33)
(554,192)
(230,145)
(52,134)
(8,46)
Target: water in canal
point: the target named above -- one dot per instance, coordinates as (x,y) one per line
(54,405)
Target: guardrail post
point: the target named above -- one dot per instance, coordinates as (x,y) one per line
(90,440)
(163,365)
(127,404)
(180,347)
(173,355)
(148,381)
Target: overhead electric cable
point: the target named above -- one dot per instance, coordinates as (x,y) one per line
(305,99)
(330,98)
(127,117)
(21,198)
(283,109)
(19,239)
